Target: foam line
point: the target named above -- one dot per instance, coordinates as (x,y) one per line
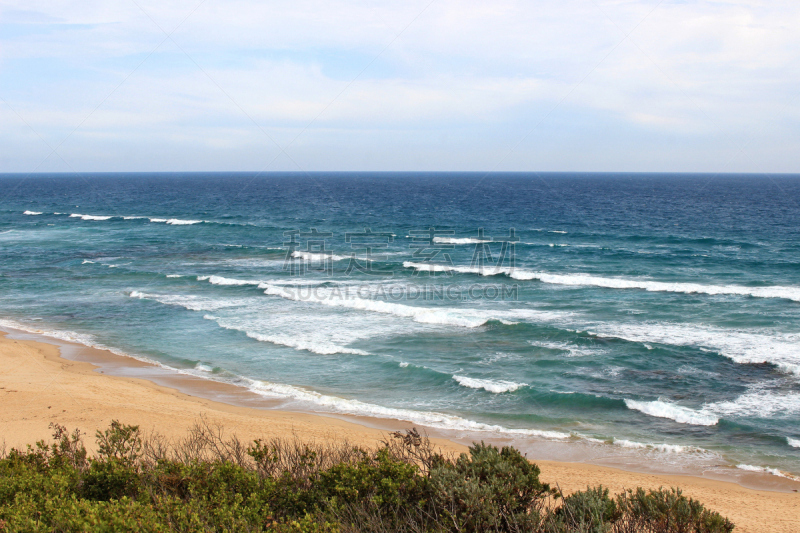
(588,280)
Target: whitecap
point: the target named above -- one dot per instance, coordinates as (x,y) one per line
(219,280)
(90,217)
(588,280)
(759,403)
(174,276)
(173,221)
(795,443)
(179,222)
(454,240)
(776,291)
(744,347)
(190,302)
(678,413)
(496,387)
(296,342)
(31,213)
(318,256)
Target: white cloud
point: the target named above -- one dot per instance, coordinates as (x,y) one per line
(465,81)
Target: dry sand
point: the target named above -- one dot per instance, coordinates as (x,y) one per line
(38,386)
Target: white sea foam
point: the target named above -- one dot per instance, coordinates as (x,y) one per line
(190,302)
(86,261)
(557,231)
(497,387)
(90,217)
(744,347)
(343,297)
(761,403)
(294,282)
(32,213)
(571,349)
(424,418)
(795,443)
(298,343)
(203,368)
(219,280)
(787,292)
(588,280)
(174,276)
(403,364)
(319,257)
(767,470)
(678,413)
(668,448)
(455,240)
(173,221)
(179,222)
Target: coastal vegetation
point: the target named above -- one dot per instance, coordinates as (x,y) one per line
(209,482)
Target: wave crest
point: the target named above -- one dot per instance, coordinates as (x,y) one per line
(588,280)
(90,217)
(678,413)
(496,387)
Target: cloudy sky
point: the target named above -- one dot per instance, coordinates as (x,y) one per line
(561,85)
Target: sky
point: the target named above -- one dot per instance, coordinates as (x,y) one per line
(439,85)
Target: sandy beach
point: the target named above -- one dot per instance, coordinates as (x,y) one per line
(38,386)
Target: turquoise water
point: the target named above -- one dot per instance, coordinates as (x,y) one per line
(637,313)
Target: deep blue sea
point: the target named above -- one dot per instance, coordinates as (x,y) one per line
(650,314)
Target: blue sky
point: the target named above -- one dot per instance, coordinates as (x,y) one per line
(575,85)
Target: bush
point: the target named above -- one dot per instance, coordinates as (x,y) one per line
(668,511)
(489,490)
(589,511)
(207,482)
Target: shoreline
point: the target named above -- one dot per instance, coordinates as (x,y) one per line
(47,380)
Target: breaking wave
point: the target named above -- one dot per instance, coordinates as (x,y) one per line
(496,387)
(678,413)
(588,280)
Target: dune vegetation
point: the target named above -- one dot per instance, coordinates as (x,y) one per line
(209,482)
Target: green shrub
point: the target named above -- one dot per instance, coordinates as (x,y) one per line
(589,511)
(489,490)
(668,511)
(110,479)
(205,483)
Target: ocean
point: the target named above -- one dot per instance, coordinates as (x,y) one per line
(627,317)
